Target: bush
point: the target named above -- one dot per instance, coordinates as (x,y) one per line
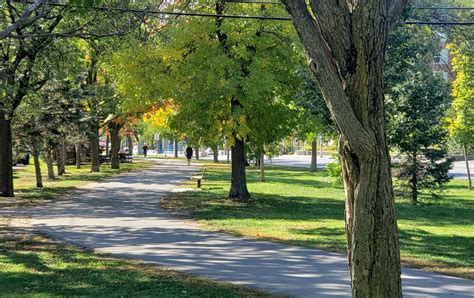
(335,171)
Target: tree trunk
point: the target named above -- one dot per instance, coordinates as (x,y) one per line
(6,156)
(39,177)
(197,153)
(321,146)
(345,47)
(130,144)
(262,167)
(228,153)
(94,143)
(414,179)
(107,141)
(238,185)
(114,130)
(314,155)
(215,153)
(49,163)
(175,148)
(466,158)
(60,158)
(78,155)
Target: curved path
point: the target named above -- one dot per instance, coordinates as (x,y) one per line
(122,216)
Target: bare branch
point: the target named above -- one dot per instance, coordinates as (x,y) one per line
(24,19)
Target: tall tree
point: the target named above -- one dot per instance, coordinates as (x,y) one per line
(345,42)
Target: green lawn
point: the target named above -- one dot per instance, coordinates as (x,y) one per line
(302,208)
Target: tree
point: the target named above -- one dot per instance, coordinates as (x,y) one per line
(461,122)
(345,43)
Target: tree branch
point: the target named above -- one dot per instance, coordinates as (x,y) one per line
(24,19)
(395,9)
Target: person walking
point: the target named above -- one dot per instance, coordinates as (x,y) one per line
(189,154)
(145,150)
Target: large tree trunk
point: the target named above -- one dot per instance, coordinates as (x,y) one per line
(114,130)
(78,155)
(345,42)
(61,158)
(197,153)
(175,148)
(466,158)
(238,185)
(39,177)
(215,153)
(49,163)
(6,156)
(314,155)
(94,144)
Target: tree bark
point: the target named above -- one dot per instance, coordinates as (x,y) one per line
(60,158)
(262,167)
(39,177)
(130,144)
(227,152)
(215,153)
(78,155)
(94,144)
(197,153)
(107,141)
(49,163)
(345,42)
(314,155)
(114,129)
(6,156)
(238,185)
(466,158)
(175,148)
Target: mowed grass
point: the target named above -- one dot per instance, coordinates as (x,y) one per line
(301,208)
(39,267)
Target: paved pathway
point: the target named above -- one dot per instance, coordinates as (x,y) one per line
(122,216)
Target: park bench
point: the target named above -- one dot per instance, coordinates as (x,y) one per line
(199,178)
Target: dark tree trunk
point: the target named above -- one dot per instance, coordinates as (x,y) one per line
(130,144)
(107,141)
(94,144)
(78,155)
(49,163)
(114,130)
(6,156)
(466,158)
(228,153)
(39,177)
(262,167)
(61,158)
(314,155)
(238,186)
(215,153)
(414,178)
(197,153)
(345,42)
(175,148)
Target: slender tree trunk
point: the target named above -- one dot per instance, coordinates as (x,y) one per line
(197,153)
(314,155)
(94,144)
(238,186)
(227,153)
(215,153)
(114,130)
(321,146)
(346,47)
(414,178)
(49,163)
(6,156)
(262,167)
(466,158)
(175,148)
(39,177)
(130,144)
(107,141)
(60,158)
(78,155)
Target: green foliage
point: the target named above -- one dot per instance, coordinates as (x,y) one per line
(416,102)
(335,171)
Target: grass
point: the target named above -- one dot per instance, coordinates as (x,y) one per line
(302,208)
(38,267)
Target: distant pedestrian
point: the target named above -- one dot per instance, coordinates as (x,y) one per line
(189,154)
(145,150)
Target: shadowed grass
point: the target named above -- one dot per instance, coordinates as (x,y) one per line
(301,208)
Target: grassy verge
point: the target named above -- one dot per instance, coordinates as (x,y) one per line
(34,266)
(302,208)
